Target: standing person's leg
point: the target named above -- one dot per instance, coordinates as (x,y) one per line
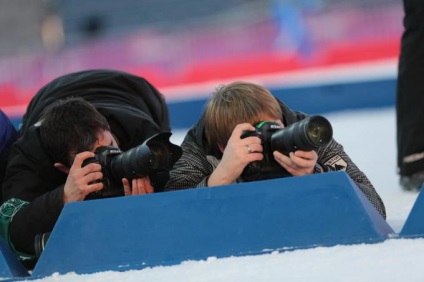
(410,98)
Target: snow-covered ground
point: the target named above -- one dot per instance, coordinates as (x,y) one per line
(369,137)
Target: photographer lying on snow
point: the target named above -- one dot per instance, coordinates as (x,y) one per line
(225,147)
(54,163)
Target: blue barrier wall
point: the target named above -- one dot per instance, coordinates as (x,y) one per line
(414,224)
(315,99)
(250,218)
(10,266)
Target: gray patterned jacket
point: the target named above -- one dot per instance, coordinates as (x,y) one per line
(199,160)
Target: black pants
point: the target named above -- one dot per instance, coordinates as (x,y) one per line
(410,91)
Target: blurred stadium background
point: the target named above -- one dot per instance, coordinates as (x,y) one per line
(180,42)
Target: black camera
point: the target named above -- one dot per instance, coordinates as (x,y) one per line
(305,135)
(155,155)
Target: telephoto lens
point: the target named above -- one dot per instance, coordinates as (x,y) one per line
(306,135)
(155,154)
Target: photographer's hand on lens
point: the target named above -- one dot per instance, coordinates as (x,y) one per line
(298,162)
(236,156)
(140,186)
(82,181)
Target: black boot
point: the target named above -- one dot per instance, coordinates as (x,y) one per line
(413,182)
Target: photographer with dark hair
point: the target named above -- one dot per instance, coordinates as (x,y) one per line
(217,150)
(65,123)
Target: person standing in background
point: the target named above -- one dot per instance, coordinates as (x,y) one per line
(410,98)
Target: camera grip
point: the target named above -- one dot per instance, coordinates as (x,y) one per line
(248,133)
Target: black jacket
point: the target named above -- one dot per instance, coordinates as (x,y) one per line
(135,111)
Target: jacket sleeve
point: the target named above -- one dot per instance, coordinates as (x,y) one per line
(38,217)
(333,158)
(31,177)
(192,170)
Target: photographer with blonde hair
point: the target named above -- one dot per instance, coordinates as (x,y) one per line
(217,152)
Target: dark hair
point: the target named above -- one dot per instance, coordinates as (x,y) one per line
(70,126)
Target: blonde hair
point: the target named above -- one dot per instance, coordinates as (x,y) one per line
(236,103)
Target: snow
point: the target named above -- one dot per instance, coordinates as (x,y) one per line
(369,137)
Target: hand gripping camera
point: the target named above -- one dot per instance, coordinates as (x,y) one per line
(156,154)
(306,135)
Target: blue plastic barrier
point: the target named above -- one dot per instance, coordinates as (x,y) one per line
(414,224)
(10,266)
(241,219)
(314,99)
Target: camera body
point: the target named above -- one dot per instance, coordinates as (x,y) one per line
(268,167)
(156,154)
(112,187)
(308,134)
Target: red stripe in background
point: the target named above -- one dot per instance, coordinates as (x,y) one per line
(14,98)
